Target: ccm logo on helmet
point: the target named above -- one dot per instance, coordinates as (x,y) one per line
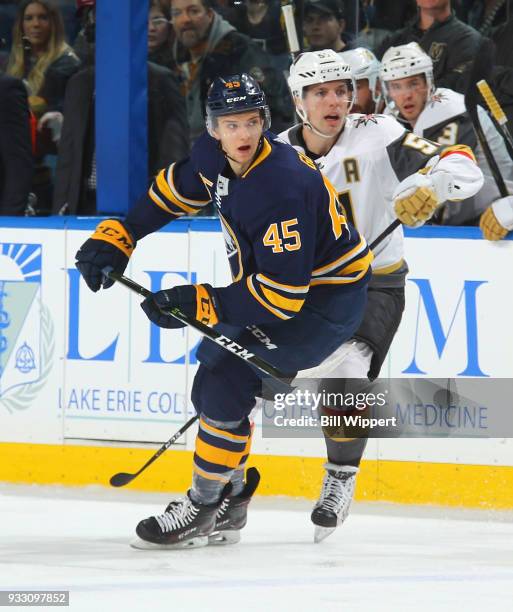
(236,99)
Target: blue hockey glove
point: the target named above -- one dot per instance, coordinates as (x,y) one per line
(110,246)
(195,301)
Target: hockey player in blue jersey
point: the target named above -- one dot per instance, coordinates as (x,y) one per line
(300,274)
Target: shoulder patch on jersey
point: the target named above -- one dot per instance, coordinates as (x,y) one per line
(437,98)
(363,120)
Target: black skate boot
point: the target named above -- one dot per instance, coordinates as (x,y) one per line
(333,505)
(232,513)
(184,524)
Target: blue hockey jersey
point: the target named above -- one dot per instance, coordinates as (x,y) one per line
(284,230)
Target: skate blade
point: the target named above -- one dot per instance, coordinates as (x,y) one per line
(222,538)
(322,533)
(198,542)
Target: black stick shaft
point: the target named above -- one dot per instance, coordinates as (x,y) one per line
(388,230)
(230,345)
(122,478)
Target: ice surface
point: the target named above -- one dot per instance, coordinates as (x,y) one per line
(384,558)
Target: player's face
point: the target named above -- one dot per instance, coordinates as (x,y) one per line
(326,106)
(240,135)
(410,95)
(364,102)
(37,26)
(191,21)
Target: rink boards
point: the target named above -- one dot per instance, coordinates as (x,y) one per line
(89,387)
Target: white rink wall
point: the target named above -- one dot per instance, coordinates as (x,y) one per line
(84,368)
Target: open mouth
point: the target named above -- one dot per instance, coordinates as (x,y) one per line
(244,148)
(333,118)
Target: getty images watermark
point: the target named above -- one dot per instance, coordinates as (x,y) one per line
(331,409)
(389,408)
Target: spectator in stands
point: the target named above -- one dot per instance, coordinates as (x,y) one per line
(40,55)
(440,114)
(381,18)
(261,21)
(16,161)
(450,43)
(483,15)
(45,61)
(160,33)
(84,43)
(324,26)
(168,132)
(207,46)
(7,16)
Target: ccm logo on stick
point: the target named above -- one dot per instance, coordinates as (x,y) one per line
(233,347)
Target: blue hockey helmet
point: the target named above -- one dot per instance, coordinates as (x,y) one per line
(238,93)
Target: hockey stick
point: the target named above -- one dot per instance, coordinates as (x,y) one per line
(122,478)
(388,230)
(497,113)
(287,11)
(481,65)
(230,345)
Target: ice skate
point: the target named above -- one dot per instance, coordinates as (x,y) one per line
(232,514)
(333,505)
(184,524)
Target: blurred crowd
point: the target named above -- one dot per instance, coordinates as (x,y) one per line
(47,76)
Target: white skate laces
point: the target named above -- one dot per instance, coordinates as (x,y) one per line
(335,500)
(178,514)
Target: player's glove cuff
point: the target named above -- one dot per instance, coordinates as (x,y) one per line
(503,210)
(110,247)
(490,226)
(194,301)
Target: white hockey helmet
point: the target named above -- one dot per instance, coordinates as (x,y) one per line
(313,68)
(405,61)
(364,65)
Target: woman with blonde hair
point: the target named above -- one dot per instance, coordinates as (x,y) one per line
(42,58)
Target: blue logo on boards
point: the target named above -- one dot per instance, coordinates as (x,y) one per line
(466,307)
(26,327)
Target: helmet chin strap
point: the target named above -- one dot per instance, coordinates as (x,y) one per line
(307,123)
(257,152)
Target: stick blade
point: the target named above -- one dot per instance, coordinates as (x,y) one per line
(121,479)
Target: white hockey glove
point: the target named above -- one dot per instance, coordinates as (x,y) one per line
(418,196)
(497,219)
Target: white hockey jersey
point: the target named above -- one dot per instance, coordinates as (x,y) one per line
(372,155)
(445,120)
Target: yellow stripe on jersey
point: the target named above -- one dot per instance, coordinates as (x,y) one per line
(161,204)
(185,201)
(350,274)
(167,192)
(275,311)
(261,278)
(360,247)
(265,152)
(282,302)
(338,221)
